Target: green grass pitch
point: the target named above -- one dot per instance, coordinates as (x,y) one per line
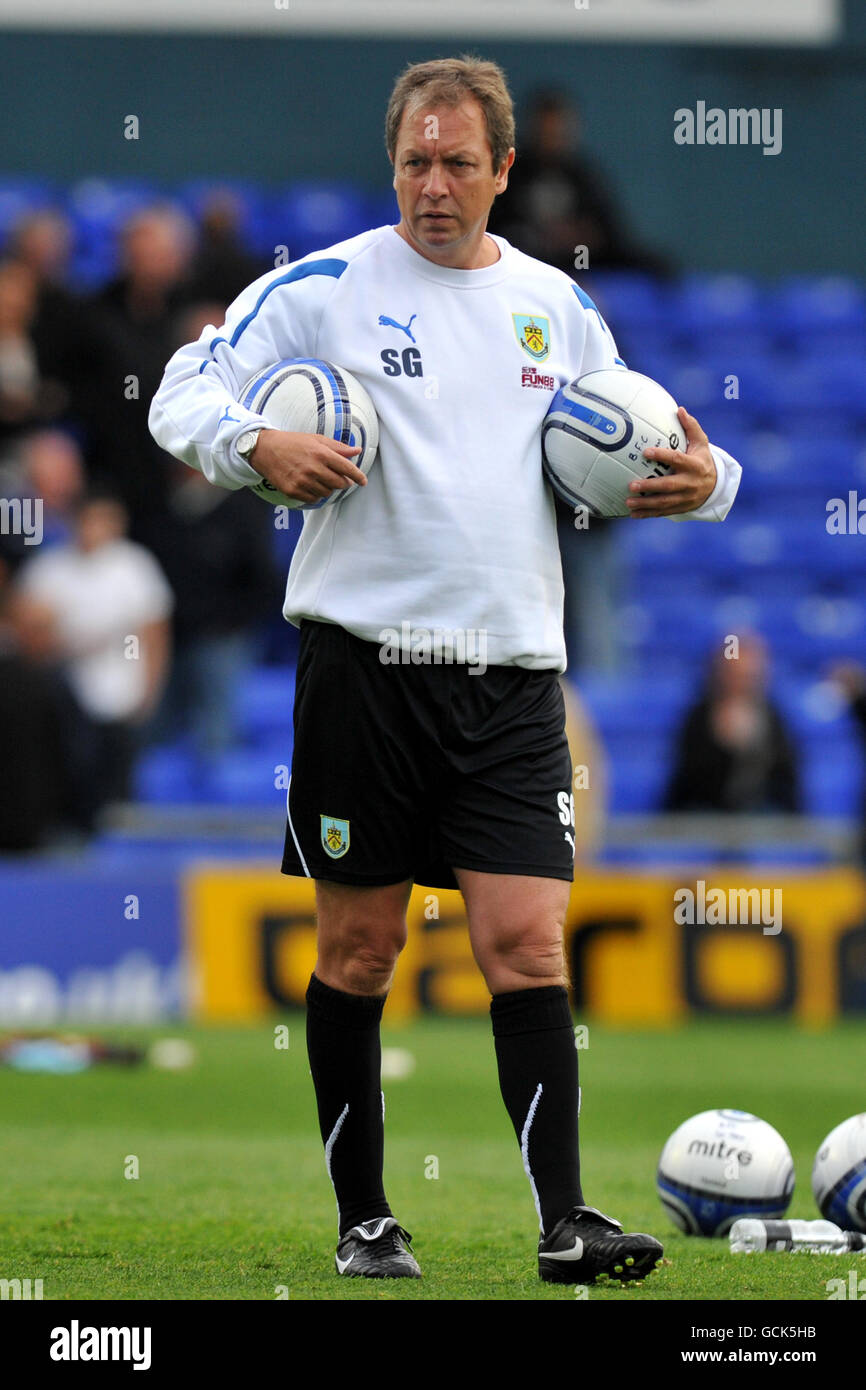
(232,1200)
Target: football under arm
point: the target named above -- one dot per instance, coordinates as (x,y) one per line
(600,351)
(195,414)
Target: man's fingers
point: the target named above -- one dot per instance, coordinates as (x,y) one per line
(675,457)
(671,483)
(330,478)
(340,463)
(694,432)
(678,502)
(694,435)
(346,449)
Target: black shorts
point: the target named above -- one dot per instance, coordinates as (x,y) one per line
(407,772)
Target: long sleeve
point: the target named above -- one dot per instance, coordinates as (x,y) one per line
(195,414)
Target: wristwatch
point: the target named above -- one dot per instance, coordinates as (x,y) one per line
(247,442)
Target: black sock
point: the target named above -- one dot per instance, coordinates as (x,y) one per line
(346,1062)
(537,1061)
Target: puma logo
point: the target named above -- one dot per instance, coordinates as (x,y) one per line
(385,322)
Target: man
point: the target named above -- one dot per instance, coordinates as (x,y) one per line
(558,198)
(440,773)
(133,321)
(112,606)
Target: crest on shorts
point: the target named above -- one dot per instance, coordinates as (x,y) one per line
(335,836)
(533,334)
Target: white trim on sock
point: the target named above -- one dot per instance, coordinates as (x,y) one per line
(524,1150)
(329,1148)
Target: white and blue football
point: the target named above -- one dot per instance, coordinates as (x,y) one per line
(595,432)
(839,1175)
(722,1165)
(305,395)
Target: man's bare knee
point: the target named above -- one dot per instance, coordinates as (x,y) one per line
(526,962)
(360,936)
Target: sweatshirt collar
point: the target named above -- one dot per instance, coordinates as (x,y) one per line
(446,275)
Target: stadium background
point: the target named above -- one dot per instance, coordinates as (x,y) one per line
(176,910)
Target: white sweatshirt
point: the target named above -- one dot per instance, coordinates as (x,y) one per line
(455,530)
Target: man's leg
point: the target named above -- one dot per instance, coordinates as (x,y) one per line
(515,926)
(361,932)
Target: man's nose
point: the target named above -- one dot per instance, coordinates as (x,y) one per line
(434,184)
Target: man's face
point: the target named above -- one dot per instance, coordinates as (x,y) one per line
(444,178)
(99,523)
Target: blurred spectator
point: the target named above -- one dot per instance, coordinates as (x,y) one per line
(44,471)
(214,547)
(25,396)
(131,333)
(46,466)
(222,267)
(589,775)
(111,604)
(53,470)
(37,726)
(851,681)
(42,242)
(734,752)
(592,571)
(557,199)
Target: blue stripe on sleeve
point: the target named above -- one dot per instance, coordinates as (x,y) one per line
(588,303)
(331,267)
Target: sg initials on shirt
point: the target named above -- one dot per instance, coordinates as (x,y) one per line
(405,363)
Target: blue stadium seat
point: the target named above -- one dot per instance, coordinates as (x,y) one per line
(627,300)
(20,196)
(382,209)
(814,302)
(789,856)
(626,703)
(315,215)
(705,384)
(165,775)
(98,209)
(251,202)
(103,205)
(264,706)
(834,788)
(722,313)
(819,392)
(247,778)
(637,786)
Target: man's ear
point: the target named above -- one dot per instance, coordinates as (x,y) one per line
(502,173)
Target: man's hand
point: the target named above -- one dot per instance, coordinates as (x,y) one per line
(689,483)
(306,467)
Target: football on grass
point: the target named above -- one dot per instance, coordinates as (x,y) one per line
(721,1165)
